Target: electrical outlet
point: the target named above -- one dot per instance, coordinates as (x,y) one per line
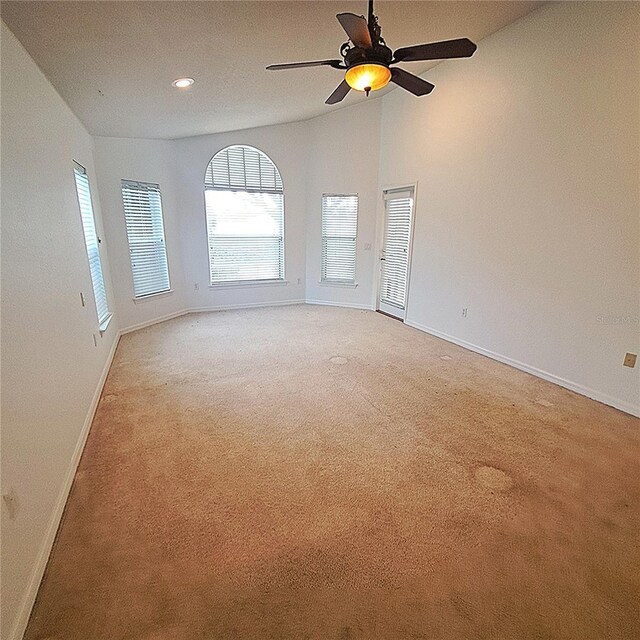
(196,286)
(11,502)
(630,360)
(464,312)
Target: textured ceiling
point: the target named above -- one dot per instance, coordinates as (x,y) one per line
(113,62)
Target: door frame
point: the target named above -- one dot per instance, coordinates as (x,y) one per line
(380,241)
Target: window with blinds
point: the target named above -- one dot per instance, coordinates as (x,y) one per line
(339,231)
(145,233)
(244,202)
(92,242)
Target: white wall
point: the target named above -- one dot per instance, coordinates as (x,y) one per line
(288,147)
(526,158)
(310,162)
(343,158)
(529,197)
(51,368)
(147,161)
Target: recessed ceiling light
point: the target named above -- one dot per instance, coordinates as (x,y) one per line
(183,83)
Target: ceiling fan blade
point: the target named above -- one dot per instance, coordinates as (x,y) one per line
(356,28)
(336,64)
(411,83)
(460,48)
(339,94)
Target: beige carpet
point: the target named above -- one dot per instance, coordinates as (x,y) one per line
(330,474)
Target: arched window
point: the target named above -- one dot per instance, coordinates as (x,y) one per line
(245,216)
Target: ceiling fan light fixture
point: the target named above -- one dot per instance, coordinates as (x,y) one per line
(368,76)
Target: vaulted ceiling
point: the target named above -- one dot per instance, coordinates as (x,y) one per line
(113,62)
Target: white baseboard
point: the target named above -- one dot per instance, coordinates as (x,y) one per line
(249,305)
(40,565)
(148,323)
(222,307)
(230,307)
(347,305)
(627,407)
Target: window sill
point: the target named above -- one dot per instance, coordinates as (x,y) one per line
(152,296)
(247,283)
(337,283)
(102,327)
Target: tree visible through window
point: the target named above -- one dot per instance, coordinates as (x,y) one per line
(244,202)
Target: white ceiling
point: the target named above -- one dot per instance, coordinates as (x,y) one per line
(113,62)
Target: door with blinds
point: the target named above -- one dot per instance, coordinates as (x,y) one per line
(394,260)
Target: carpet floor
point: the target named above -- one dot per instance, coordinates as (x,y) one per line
(329,474)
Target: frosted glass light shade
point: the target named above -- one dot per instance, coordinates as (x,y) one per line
(368,76)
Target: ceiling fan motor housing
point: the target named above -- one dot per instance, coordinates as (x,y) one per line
(380,54)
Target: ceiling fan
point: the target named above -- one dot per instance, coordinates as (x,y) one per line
(368,61)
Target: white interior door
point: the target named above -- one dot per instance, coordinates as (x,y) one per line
(394,260)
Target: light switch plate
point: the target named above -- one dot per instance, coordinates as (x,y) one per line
(630,360)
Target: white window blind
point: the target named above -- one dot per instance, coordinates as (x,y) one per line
(92,242)
(393,283)
(339,230)
(145,232)
(244,168)
(244,203)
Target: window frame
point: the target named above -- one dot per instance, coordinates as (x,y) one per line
(103,322)
(281,280)
(338,282)
(145,296)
